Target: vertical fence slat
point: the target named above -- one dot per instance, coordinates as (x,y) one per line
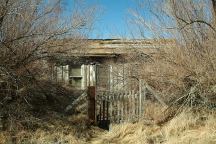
(137,105)
(114,107)
(140,98)
(144,99)
(110,107)
(119,105)
(107,112)
(125,106)
(103,111)
(133,105)
(130,105)
(100,112)
(122,106)
(129,110)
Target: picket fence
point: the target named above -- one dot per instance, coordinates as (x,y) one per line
(120,107)
(124,106)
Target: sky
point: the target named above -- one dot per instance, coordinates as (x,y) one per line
(112,23)
(113,18)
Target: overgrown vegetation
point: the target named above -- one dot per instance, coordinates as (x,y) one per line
(185,70)
(184,73)
(188,127)
(32,33)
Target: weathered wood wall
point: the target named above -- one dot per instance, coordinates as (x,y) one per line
(64,74)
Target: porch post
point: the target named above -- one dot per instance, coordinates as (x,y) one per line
(91,104)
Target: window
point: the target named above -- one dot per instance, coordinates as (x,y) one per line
(75,76)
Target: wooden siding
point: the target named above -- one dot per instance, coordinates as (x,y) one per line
(80,75)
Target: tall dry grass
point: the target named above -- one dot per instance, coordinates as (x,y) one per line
(186,128)
(65,130)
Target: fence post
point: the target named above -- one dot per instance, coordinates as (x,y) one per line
(144,99)
(91,104)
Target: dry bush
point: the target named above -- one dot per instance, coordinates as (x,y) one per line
(185,69)
(175,71)
(34,110)
(36,116)
(31,33)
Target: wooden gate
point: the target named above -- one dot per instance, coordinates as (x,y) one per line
(121,106)
(107,107)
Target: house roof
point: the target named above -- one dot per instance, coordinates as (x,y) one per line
(113,47)
(108,48)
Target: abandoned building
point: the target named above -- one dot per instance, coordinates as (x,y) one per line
(107,64)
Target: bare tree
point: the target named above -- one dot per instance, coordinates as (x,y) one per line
(34,30)
(188,67)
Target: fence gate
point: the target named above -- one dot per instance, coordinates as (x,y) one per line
(118,107)
(106,107)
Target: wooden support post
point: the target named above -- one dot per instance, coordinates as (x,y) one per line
(91,104)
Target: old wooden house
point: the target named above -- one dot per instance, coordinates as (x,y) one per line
(108,64)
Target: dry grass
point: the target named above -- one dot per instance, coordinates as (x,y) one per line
(188,127)
(191,128)
(41,137)
(70,130)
